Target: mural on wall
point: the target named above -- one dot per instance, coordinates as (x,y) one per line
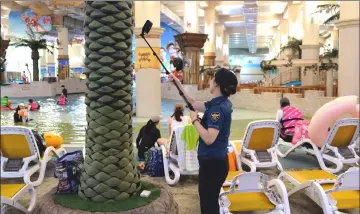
(169,47)
(22,22)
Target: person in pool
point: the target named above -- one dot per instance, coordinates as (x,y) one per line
(62,100)
(21,114)
(6,103)
(33,106)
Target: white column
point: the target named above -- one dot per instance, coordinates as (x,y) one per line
(335,38)
(295,19)
(63,57)
(51,59)
(43,67)
(226,48)
(148,86)
(277,43)
(284,34)
(191,19)
(311,46)
(219,44)
(209,46)
(348,74)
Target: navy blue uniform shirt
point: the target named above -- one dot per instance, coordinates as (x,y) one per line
(217,116)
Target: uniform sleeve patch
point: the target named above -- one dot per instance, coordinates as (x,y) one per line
(215,116)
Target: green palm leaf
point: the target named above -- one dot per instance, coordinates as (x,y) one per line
(36,42)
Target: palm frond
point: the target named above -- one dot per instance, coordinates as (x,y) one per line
(328,8)
(332,18)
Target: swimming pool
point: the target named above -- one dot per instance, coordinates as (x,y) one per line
(70,121)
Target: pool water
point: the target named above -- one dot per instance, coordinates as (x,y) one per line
(70,121)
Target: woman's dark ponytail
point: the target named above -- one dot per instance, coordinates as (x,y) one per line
(227,81)
(230,90)
(179,112)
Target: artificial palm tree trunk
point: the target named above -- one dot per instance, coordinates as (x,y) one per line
(110,172)
(35,57)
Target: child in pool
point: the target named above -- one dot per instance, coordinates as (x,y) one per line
(61,100)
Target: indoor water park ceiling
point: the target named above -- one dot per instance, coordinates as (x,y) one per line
(251,24)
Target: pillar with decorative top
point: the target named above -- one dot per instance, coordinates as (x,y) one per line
(147,67)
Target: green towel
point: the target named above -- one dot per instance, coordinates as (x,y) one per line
(190,136)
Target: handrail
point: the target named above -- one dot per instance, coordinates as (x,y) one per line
(291,75)
(296,90)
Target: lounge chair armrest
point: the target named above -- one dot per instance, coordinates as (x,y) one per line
(29,173)
(281,191)
(27,161)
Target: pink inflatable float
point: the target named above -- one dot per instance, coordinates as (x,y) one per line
(325,117)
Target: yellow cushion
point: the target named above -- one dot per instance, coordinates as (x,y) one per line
(238,146)
(348,199)
(15,146)
(261,139)
(249,201)
(306,175)
(9,190)
(343,136)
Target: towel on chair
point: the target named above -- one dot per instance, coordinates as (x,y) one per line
(186,142)
(190,136)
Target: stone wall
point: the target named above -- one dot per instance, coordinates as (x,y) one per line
(246,99)
(43,89)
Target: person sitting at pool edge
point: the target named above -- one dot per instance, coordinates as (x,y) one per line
(177,118)
(287,115)
(33,105)
(149,135)
(64,91)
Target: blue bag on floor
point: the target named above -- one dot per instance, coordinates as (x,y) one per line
(68,170)
(154,165)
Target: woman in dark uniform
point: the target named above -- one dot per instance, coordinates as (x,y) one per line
(214,131)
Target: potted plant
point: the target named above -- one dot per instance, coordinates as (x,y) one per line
(266,66)
(293,46)
(329,55)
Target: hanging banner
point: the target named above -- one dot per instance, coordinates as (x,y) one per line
(146,59)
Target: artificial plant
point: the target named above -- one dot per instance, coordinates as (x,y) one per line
(35,41)
(332,9)
(293,45)
(266,66)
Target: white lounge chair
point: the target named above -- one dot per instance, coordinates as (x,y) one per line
(20,154)
(330,192)
(259,145)
(177,159)
(251,191)
(339,146)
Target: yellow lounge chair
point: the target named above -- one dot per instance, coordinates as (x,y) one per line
(20,154)
(340,142)
(329,191)
(259,145)
(12,193)
(251,191)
